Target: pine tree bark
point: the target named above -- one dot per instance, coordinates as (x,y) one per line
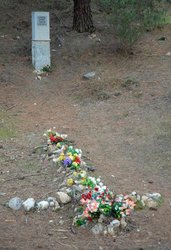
(82,21)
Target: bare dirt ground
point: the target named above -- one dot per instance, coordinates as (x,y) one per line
(123,127)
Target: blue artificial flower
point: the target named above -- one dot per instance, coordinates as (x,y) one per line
(67,162)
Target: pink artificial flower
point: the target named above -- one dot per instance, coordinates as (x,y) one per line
(86,212)
(84,201)
(93,206)
(128,211)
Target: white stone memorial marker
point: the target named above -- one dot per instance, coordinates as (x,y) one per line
(40,40)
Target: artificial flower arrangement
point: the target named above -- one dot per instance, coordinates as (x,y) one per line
(54,137)
(100,200)
(69,156)
(96,198)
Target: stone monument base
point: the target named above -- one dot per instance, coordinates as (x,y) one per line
(40,54)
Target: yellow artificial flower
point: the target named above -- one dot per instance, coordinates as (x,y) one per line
(58,145)
(71,157)
(83,173)
(75,174)
(70,182)
(61,157)
(74,164)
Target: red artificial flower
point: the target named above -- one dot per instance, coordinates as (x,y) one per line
(52,138)
(84,196)
(55,139)
(108,196)
(90,219)
(77,160)
(89,196)
(96,189)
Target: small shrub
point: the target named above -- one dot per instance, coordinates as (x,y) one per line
(132,17)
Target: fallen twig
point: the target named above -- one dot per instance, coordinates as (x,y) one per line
(63,244)
(39,147)
(73,230)
(11,107)
(24,176)
(61,230)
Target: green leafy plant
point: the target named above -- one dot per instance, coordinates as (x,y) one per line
(132,17)
(46,69)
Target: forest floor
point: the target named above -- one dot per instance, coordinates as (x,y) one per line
(121,119)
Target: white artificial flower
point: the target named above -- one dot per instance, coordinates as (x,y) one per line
(55,159)
(101,184)
(98,179)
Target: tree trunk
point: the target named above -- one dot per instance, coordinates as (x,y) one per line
(82,21)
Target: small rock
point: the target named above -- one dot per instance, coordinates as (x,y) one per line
(123,223)
(152,200)
(89,75)
(97,229)
(43,205)
(144,198)
(112,231)
(102,218)
(63,198)
(39,78)
(78,188)
(168,53)
(152,204)
(56,206)
(51,221)
(90,168)
(113,227)
(29,204)
(51,204)
(15,203)
(115,223)
(154,196)
(51,199)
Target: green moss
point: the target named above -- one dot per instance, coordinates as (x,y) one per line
(6,133)
(7,127)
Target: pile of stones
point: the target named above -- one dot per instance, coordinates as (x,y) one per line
(95,202)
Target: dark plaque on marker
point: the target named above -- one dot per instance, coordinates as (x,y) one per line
(41,20)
